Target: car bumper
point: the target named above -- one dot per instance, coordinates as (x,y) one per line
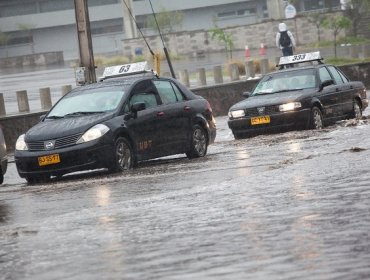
(278,123)
(86,156)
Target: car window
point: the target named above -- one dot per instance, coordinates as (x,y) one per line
(168,92)
(143,92)
(337,77)
(344,78)
(91,100)
(286,81)
(324,74)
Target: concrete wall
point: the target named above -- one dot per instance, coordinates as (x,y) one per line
(244,35)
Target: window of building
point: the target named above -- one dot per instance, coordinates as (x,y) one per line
(18,10)
(53,5)
(17,38)
(237,13)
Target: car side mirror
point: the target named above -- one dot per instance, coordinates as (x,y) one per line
(246,94)
(136,107)
(326,83)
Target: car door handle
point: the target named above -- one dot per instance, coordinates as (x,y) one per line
(160,114)
(187,108)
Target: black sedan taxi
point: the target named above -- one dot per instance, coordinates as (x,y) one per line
(131,115)
(306,97)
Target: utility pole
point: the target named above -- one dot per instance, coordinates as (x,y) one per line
(84,41)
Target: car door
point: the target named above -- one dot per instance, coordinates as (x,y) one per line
(175,115)
(330,95)
(145,126)
(346,90)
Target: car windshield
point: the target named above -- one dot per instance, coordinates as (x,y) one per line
(89,101)
(286,81)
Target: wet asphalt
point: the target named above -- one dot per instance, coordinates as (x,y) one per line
(294,205)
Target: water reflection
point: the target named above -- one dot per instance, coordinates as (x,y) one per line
(103,196)
(243,160)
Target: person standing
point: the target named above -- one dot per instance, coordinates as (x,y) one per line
(285,40)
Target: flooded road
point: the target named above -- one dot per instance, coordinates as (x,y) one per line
(287,206)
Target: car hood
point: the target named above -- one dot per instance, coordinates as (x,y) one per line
(272,99)
(56,128)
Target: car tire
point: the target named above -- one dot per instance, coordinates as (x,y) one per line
(1,177)
(123,155)
(316,120)
(357,111)
(198,143)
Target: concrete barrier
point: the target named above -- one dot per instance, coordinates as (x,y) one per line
(66,89)
(234,72)
(201,77)
(217,75)
(2,105)
(184,77)
(22,99)
(45,98)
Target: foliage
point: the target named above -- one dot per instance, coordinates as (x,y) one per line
(317,19)
(166,20)
(225,38)
(336,24)
(357,10)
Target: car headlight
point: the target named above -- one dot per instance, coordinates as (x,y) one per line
(290,106)
(93,133)
(21,145)
(236,114)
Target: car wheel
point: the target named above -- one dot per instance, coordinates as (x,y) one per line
(198,144)
(1,177)
(357,111)
(123,155)
(316,121)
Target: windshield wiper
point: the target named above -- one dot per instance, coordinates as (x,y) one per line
(83,113)
(55,117)
(287,90)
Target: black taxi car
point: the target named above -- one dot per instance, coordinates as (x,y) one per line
(130,115)
(306,97)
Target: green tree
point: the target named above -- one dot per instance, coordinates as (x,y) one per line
(317,19)
(167,21)
(336,24)
(225,38)
(357,10)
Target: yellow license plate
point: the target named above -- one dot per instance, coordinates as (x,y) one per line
(260,120)
(50,159)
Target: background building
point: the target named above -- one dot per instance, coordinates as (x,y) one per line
(38,26)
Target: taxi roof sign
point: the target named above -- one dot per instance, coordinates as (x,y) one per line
(125,69)
(300,58)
